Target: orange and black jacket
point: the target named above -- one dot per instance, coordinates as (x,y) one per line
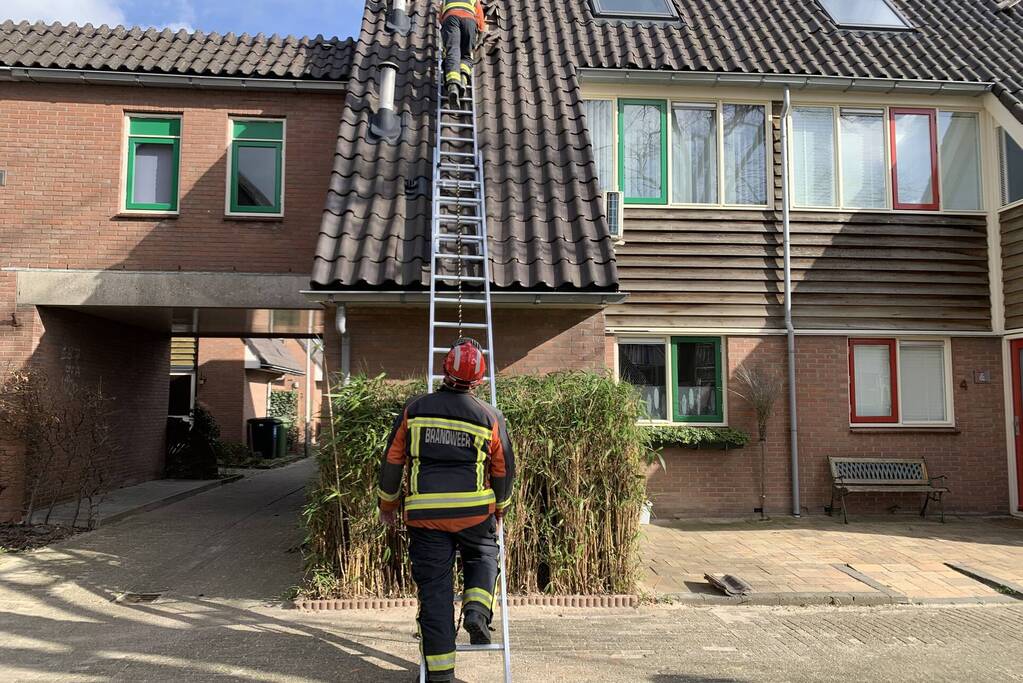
(462,465)
(470,9)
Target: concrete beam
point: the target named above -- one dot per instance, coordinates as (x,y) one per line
(118,288)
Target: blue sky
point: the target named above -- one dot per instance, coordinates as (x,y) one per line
(299,17)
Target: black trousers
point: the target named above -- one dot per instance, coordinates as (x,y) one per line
(459,35)
(433,558)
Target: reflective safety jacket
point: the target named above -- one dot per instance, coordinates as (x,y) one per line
(470,9)
(462,465)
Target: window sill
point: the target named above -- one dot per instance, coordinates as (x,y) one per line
(904,429)
(147,215)
(254,217)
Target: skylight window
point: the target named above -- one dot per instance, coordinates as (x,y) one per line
(638,9)
(864,14)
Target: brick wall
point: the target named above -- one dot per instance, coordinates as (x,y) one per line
(130,363)
(709,483)
(63,149)
(222,388)
(528,340)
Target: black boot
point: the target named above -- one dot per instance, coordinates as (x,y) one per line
(453,96)
(475,624)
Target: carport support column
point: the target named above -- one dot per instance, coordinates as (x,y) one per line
(790,331)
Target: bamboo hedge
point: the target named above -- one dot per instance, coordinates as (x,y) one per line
(573,526)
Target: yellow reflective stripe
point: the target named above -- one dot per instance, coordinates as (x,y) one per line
(478,595)
(440,662)
(466,69)
(453,76)
(443,423)
(481,459)
(504,503)
(389,497)
(427,501)
(414,476)
(467,6)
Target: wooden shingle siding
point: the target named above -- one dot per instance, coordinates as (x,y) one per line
(1012,266)
(697,268)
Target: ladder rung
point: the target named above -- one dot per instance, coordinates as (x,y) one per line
(456,111)
(452,182)
(463,278)
(457,168)
(463,238)
(444,349)
(459,200)
(467,302)
(479,648)
(457,125)
(464,257)
(456,154)
(464,326)
(452,218)
(448,138)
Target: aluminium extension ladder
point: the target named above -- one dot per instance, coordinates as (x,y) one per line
(458,256)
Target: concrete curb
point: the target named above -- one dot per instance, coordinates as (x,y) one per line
(590,601)
(782,599)
(169,500)
(895,596)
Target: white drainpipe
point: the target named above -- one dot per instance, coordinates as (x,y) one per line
(790,330)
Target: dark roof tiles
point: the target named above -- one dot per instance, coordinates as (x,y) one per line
(69,46)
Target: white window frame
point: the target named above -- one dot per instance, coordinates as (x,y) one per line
(230,168)
(982,123)
(670,13)
(950,420)
(1003,173)
(653,340)
(122,201)
(906,24)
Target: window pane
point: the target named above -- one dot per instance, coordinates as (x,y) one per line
(643,366)
(641,151)
(922,392)
(913,159)
(873,380)
(697,390)
(745,161)
(1012,170)
(257,176)
(180,395)
(813,152)
(694,155)
(864,176)
(599,122)
(863,13)
(960,160)
(635,7)
(153,182)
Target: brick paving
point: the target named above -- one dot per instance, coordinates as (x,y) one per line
(785,555)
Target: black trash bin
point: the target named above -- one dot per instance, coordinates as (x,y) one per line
(264,435)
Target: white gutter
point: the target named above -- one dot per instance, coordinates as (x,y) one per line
(341,324)
(150,80)
(790,330)
(763,80)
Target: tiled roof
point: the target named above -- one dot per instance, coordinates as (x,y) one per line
(545,218)
(273,354)
(123,49)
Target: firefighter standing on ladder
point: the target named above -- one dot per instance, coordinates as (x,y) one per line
(460,20)
(460,483)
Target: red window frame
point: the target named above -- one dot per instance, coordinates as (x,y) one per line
(893,375)
(932,114)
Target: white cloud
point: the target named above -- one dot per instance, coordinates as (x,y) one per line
(81,11)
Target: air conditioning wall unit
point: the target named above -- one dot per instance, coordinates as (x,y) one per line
(614,204)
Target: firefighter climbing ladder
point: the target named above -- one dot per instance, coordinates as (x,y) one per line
(458,240)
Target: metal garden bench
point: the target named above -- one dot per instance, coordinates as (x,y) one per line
(884,475)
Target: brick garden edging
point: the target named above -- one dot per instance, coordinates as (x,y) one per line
(591,601)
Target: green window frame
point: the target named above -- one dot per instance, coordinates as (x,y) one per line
(662,106)
(718,416)
(257,134)
(151,130)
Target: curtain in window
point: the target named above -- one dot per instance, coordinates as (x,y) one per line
(959,142)
(873,380)
(922,369)
(643,366)
(154,174)
(641,151)
(1012,169)
(694,154)
(599,122)
(745,160)
(913,159)
(864,176)
(813,156)
(697,387)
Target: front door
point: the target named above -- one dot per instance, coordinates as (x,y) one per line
(1017,408)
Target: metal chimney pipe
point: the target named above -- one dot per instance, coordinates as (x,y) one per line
(398,20)
(385,124)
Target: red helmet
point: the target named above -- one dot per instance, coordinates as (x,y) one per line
(464,366)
